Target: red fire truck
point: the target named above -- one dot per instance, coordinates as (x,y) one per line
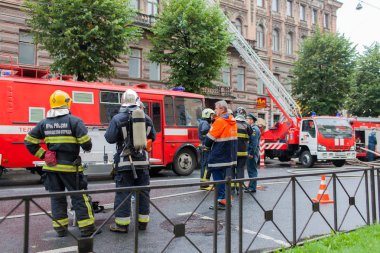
(363,127)
(25,92)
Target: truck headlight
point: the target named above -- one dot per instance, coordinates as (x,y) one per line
(321,147)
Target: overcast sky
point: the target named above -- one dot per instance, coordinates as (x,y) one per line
(362,27)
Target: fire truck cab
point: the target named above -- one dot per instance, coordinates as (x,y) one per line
(326,139)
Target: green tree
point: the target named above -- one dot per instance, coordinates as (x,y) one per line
(192,39)
(365,96)
(84,38)
(323,73)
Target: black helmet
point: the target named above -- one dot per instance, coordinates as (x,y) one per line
(240,111)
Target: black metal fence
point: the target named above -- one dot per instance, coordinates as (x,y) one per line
(291,229)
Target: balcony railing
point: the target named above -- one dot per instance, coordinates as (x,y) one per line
(145,20)
(218,91)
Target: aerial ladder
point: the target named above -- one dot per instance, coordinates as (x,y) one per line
(280,96)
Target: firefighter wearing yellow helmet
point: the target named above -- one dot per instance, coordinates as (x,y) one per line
(203,128)
(64,135)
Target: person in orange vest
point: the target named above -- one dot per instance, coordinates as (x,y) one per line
(64,135)
(222,142)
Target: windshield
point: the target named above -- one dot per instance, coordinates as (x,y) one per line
(334,128)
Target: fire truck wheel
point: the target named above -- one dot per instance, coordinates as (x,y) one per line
(185,162)
(339,163)
(307,159)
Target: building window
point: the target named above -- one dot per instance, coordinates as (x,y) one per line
(275,5)
(260,36)
(289,8)
(240,78)
(238,25)
(276,118)
(275,41)
(289,44)
(152,9)
(135,63)
(260,3)
(226,76)
(26,49)
(326,21)
(302,12)
(302,39)
(260,87)
(135,4)
(288,84)
(154,71)
(314,16)
(261,116)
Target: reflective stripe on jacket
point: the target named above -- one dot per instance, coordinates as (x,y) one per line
(114,134)
(244,133)
(64,134)
(222,139)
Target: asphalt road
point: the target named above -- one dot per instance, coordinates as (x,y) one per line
(176,204)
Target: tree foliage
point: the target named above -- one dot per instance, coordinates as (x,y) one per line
(365,96)
(323,74)
(83,37)
(191,38)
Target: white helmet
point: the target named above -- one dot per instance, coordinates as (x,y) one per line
(207,113)
(129,98)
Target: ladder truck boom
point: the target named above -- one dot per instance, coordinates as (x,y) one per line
(279,94)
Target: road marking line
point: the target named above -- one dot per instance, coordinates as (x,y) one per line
(247,231)
(262,236)
(22,215)
(61,250)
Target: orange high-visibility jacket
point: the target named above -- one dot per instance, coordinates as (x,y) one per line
(222,139)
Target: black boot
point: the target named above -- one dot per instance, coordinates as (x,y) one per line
(143,225)
(88,231)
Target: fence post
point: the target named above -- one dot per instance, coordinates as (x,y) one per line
(294,213)
(373,194)
(378,191)
(137,204)
(228,215)
(240,217)
(367,196)
(335,203)
(26,225)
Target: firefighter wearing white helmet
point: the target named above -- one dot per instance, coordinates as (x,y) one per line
(64,135)
(130,129)
(203,128)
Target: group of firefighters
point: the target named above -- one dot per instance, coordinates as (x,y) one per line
(229,143)
(228,140)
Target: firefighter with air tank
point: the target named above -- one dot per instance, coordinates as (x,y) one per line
(130,129)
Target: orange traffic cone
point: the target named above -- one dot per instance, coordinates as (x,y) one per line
(323,196)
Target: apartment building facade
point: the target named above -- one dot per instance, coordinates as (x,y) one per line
(274,28)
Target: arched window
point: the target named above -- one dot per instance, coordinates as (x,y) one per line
(275,41)
(289,43)
(260,36)
(238,25)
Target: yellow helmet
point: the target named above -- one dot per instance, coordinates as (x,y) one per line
(60,99)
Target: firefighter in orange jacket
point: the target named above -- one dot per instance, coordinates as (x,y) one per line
(222,142)
(64,135)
